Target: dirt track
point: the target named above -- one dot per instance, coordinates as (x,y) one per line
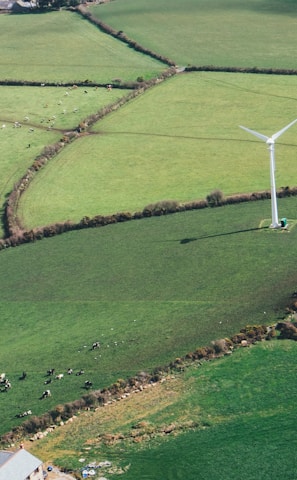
(55,474)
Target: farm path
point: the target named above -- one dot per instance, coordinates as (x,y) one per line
(56,474)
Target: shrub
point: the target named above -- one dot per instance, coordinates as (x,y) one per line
(215,198)
(287,330)
(222,345)
(161,208)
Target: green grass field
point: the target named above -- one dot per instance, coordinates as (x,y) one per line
(45,113)
(64,47)
(137,288)
(243,407)
(154,289)
(210,32)
(180,140)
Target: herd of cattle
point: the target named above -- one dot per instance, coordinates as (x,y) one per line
(5,383)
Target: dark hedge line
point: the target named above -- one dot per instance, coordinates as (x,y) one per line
(18,235)
(120,35)
(12,224)
(266,71)
(137,89)
(124,387)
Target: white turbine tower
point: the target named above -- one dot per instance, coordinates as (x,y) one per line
(270,143)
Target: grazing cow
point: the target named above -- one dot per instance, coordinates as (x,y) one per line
(7,385)
(95,345)
(81,372)
(48,381)
(2,377)
(46,394)
(23,376)
(59,376)
(24,414)
(88,384)
(69,371)
(51,371)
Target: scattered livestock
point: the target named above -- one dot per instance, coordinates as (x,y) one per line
(95,345)
(81,372)
(48,381)
(46,394)
(51,371)
(69,371)
(23,376)
(59,376)
(2,377)
(88,384)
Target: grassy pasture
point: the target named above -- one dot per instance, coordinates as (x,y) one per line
(236,404)
(180,140)
(64,47)
(39,108)
(137,288)
(210,32)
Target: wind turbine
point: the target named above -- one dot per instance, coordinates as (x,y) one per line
(270,142)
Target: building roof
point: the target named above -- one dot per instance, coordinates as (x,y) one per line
(17,465)
(6,4)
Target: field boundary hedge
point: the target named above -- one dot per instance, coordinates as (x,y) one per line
(120,35)
(18,235)
(254,70)
(248,336)
(100,398)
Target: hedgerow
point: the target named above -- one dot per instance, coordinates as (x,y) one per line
(18,235)
(123,387)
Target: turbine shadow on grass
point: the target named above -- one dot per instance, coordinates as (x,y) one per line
(184,241)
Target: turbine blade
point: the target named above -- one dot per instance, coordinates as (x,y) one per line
(257,134)
(278,134)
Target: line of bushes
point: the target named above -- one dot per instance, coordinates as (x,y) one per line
(124,387)
(17,235)
(12,224)
(215,68)
(137,89)
(120,35)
